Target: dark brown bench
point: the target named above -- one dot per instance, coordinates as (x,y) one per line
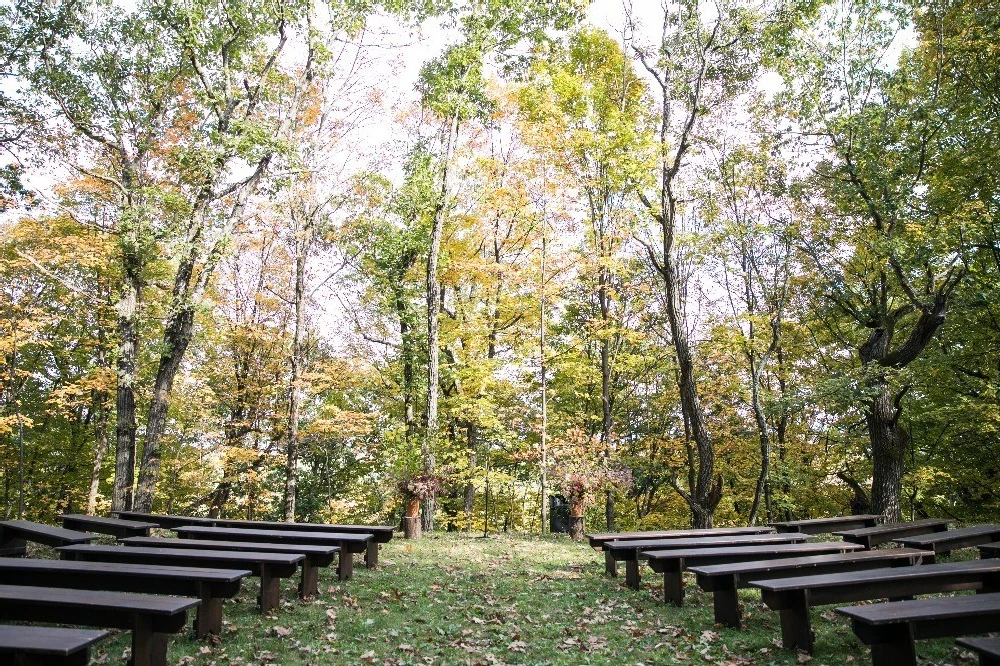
(116,527)
(989,550)
(869,537)
(163,520)
(988,649)
(212,586)
(47,646)
(891,628)
(598,540)
(673,562)
(150,618)
(793,597)
(348,543)
(827,525)
(629,552)
(269,567)
(723,580)
(316,557)
(943,543)
(14,535)
(380,533)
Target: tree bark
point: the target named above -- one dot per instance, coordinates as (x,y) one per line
(295,395)
(125,426)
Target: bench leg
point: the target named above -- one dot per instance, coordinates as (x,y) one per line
(796,627)
(632,579)
(270,590)
(149,648)
(371,555)
(345,570)
(988,660)
(673,587)
(610,564)
(309,585)
(727,603)
(894,647)
(208,619)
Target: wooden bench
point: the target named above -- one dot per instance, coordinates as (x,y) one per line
(891,628)
(14,535)
(988,649)
(869,537)
(269,567)
(380,533)
(793,597)
(598,540)
(47,646)
(629,551)
(672,562)
(943,543)
(212,586)
(723,580)
(150,618)
(348,543)
(316,557)
(116,527)
(989,550)
(827,525)
(163,520)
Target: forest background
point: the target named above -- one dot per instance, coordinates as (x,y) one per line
(683,263)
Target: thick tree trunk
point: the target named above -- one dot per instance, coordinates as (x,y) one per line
(100,449)
(125,426)
(176,338)
(889,442)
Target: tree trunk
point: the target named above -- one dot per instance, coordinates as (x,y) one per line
(101,447)
(128,340)
(295,395)
(433,325)
(176,338)
(889,444)
(472,432)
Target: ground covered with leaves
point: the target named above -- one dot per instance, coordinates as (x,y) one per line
(459,599)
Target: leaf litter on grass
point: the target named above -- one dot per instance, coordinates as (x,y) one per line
(463,600)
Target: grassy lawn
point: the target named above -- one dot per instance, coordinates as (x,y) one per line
(456,599)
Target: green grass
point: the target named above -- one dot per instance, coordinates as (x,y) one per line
(457,599)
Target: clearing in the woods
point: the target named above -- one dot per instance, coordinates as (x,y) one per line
(459,599)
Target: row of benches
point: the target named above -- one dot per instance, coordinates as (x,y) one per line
(109,586)
(795,574)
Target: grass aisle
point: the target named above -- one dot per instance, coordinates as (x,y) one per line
(455,599)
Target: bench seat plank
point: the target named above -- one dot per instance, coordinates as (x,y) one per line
(150,618)
(380,533)
(14,534)
(672,563)
(165,521)
(348,543)
(987,648)
(212,586)
(869,537)
(945,542)
(723,580)
(269,567)
(630,552)
(48,645)
(989,550)
(827,525)
(116,527)
(793,597)
(315,556)
(891,628)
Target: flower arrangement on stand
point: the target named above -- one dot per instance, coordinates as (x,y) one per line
(413,489)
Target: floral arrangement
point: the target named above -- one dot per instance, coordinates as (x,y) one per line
(421,487)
